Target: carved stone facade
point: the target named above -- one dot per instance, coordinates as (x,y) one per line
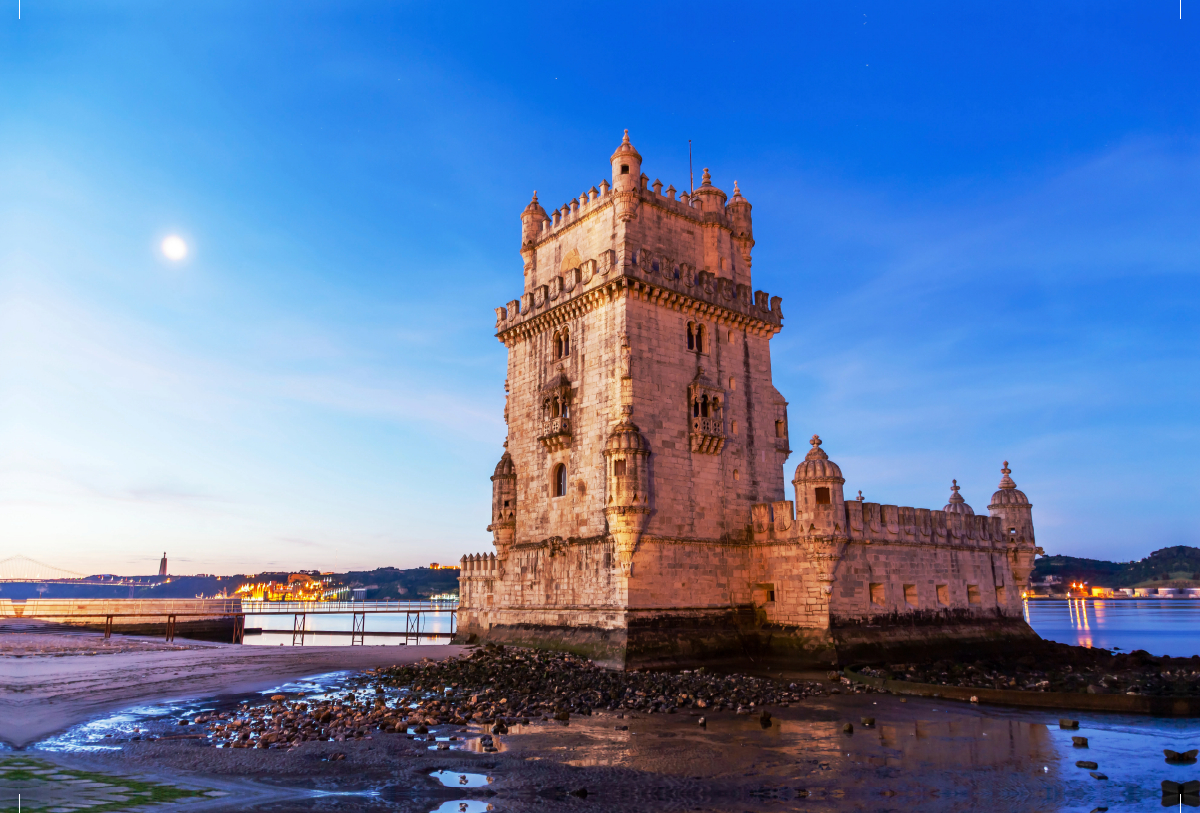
(638,513)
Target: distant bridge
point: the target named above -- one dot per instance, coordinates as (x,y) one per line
(30,571)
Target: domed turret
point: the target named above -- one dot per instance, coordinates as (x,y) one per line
(1016,516)
(818,483)
(1008,493)
(738,210)
(710,198)
(627,174)
(957,504)
(531,221)
(504,504)
(817,465)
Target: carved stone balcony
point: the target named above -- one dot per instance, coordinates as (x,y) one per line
(556,433)
(708,435)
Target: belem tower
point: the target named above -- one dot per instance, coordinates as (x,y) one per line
(639,512)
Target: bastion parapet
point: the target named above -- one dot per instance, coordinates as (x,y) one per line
(638,511)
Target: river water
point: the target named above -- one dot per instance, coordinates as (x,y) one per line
(1159,626)
(334,629)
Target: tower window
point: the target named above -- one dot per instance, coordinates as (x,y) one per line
(822,495)
(562,344)
(700,338)
(696,408)
(691,333)
(624,169)
(780,429)
(732,383)
(736,475)
(560,480)
(733,426)
(619,468)
(704,406)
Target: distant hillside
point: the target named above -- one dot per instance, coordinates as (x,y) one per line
(382,583)
(1167,567)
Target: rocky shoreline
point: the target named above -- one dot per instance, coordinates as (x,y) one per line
(495,686)
(1059,668)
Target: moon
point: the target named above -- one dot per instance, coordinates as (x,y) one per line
(173,248)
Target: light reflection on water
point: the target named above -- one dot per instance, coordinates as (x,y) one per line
(1159,626)
(335,629)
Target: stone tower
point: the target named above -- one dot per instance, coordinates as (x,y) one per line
(638,511)
(1016,513)
(640,396)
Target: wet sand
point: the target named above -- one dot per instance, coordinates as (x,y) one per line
(921,755)
(77,677)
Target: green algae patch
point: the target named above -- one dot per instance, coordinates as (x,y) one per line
(43,786)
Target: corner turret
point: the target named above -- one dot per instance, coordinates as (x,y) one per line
(627,503)
(504,505)
(1016,514)
(738,210)
(957,504)
(627,174)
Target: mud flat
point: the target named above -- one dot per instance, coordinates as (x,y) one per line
(51,682)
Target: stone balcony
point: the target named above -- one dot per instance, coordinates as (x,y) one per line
(708,435)
(556,433)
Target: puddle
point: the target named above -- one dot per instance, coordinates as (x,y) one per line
(466,806)
(455,779)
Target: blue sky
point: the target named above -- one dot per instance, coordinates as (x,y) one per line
(982,219)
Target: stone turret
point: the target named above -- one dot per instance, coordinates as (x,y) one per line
(1015,512)
(738,210)
(504,505)
(708,197)
(821,513)
(627,173)
(627,503)
(957,504)
(531,222)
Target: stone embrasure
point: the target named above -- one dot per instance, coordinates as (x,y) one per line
(639,512)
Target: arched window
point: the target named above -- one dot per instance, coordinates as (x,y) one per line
(560,480)
(558,346)
(716,407)
(566,344)
(691,336)
(619,468)
(554,407)
(700,338)
(696,408)
(704,406)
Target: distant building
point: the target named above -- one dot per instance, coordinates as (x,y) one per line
(162,565)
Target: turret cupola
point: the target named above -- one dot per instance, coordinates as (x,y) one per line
(504,504)
(957,504)
(531,221)
(818,483)
(1008,493)
(710,199)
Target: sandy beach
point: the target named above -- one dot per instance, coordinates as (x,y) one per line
(50,682)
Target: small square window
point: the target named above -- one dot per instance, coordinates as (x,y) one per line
(943,594)
(973,595)
(910,595)
(877,593)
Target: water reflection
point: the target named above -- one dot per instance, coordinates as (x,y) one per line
(1160,626)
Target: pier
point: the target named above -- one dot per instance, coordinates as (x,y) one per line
(225,619)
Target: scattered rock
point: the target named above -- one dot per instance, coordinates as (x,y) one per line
(848,728)
(626,728)
(1065,723)
(1083,763)
(1079,742)
(868,722)
(702,722)
(1095,775)
(277,697)
(580,792)
(1180,758)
